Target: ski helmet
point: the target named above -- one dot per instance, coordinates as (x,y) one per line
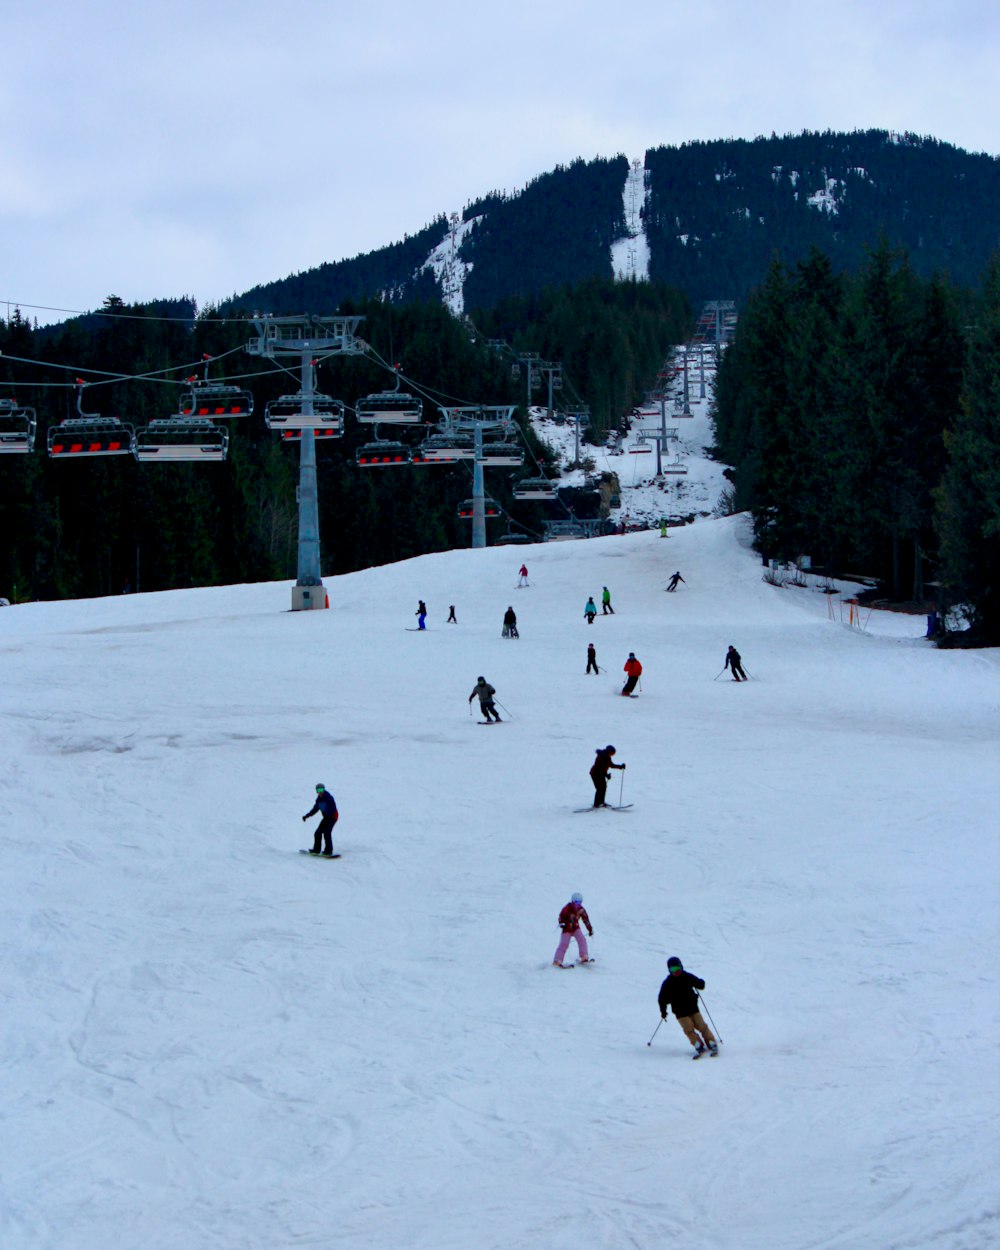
(480,679)
(320,788)
(674,962)
(631,655)
(577,898)
(609,749)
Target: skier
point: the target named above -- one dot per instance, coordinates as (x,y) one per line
(680,991)
(606,602)
(591,659)
(599,774)
(421,614)
(510,624)
(590,610)
(634,670)
(663,527)
(522,575)
(674,580)
(485,693)
(327,806)
(734,664)
(570,919)
(452,618)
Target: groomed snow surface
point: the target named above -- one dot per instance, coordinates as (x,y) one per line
(212,1042)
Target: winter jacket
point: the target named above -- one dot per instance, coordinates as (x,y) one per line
(325,803)
(572,915)
(600,766)
(679,994)
(732,658)
(590,609)
(482,691)
(509,618)
(633,667)
(606,596)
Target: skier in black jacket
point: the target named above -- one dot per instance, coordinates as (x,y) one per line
(680,992)
(326,804)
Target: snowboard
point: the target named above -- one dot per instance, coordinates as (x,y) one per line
(335,855)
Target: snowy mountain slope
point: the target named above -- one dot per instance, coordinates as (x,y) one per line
(211,1040)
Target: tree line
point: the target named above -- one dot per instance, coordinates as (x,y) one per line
(861,416)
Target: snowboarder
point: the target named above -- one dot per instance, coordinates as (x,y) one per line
(663,527)
(606,602)
(591,659)
(634,670)
(522,575)
(421,614)
(734,664)
(590,610)
(485,693)
(323,837)
(674,580)
(510,624)
(572,916)
(680,992)
(599,774)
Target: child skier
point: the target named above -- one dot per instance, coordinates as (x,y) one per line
(570,919)
(591,659)
(680,992)
(522,575)
(590,610)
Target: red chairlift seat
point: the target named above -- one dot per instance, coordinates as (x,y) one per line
(207,400)
(381,455)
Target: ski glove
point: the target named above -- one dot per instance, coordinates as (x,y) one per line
(305,817)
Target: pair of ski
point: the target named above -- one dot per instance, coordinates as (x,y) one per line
(320,855)
(566,967)
(605,807)
(700,1054)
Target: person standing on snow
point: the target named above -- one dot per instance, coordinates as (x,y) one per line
(634,670)
(674,580)
(680,992)
(734,664)
(590,610)
(485,692)
(510,624)
(572,916)
(591,659)
(600,775)
(452,618)
(323,837)
(522,575)
(606,602)
(421,614)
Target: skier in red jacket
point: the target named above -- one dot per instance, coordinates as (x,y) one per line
(572,916)
(634,670)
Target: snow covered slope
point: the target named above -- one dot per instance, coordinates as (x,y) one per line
(211,1041)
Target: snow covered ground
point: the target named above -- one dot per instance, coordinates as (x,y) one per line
(211,1041)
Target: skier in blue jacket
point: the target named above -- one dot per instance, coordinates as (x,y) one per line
(326,805)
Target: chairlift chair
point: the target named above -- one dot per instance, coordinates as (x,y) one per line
(389,408)
(285,413)
(639,448)
(215,400)
(176,439)
(17,427)
(505,453)
(467,507)
(447,448)
(675,468)
(381,454)
(534,488)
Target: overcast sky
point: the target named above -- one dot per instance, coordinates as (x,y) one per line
(153,149)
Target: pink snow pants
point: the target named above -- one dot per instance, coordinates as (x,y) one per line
(563,946)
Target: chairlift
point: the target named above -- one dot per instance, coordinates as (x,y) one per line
(90,434)
(285,413)
(676,468)
(381,454)
(17,427)
(187,439)
(535,488)
(510,538)
(390,408)
(447,448)
(639,448)
(295,436)
(467,507)
(502,453)
(208,401)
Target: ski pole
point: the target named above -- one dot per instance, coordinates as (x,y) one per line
(640,683)
(748,673)
(719,674)
(508,713)
(621,788)
(710,1020)
(655,1031)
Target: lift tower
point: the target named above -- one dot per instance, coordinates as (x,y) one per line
(308,338)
